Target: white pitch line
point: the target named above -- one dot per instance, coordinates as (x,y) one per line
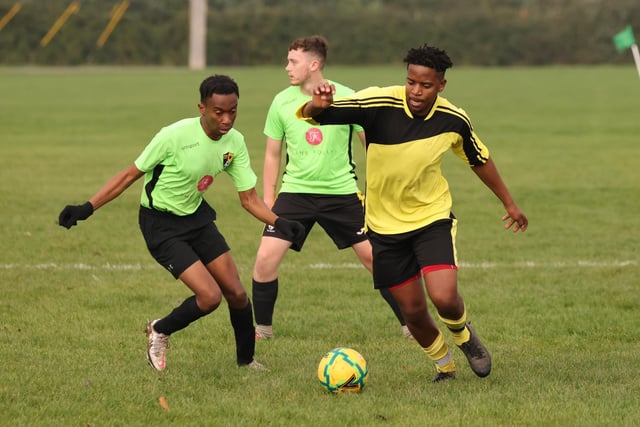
(75,266)
(487,265)
(326,266)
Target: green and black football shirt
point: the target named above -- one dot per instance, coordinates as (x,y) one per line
(181,161)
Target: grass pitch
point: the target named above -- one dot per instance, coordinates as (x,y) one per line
(557,306)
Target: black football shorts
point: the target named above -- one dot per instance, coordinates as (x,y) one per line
(341,216)
(176,246)
(398,258)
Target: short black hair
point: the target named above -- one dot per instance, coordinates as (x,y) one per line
(429,56)
(220,84)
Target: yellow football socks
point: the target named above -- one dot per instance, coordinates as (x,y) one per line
(459,331)
(439,352)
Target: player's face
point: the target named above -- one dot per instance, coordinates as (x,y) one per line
(218,113)
(300,64)
(422,88)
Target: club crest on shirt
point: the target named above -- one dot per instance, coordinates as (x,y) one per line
(226,159)
(314,136)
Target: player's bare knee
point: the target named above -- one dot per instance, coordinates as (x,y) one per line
(413,313)
(448,305)
(265,271)
(208,302)
(237,298)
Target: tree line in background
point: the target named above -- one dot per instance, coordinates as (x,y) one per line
(257,32)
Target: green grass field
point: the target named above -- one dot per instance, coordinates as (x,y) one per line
(557,306)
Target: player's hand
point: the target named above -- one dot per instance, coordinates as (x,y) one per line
(71,214)
(323,95)
(516,218)
(292,229)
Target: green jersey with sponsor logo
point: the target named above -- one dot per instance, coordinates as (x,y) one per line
(181,162)
(319,158)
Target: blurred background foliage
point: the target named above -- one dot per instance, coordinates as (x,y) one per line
(257,32)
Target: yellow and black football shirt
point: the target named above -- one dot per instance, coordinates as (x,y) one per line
(405,189)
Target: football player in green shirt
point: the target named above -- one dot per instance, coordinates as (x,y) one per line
(177,223)
(318,184)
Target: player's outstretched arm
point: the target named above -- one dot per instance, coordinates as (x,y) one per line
(116,186)
(71,214)
(256,207)
(488,174)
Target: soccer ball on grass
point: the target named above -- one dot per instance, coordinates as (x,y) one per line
(343,370)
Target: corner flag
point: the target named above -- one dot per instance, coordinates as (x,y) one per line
(624,39)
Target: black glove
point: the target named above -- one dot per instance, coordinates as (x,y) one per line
(71,214)
(292,229)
